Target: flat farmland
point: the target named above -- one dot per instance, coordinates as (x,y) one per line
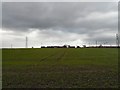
(60,68)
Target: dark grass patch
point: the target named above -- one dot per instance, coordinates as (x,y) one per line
(67,68)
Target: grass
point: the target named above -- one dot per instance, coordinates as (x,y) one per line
(60,68)
(0,69)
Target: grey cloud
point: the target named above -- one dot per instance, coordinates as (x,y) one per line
(21,16)
(67,17)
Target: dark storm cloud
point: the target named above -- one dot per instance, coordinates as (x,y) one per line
(88,21)
(57,16)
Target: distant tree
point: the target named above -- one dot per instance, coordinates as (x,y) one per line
(100,45)
(84,46)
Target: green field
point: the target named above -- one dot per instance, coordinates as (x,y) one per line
(60,68)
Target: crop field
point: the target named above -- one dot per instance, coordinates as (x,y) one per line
(60,68)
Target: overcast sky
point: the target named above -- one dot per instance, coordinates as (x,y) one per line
(50,23)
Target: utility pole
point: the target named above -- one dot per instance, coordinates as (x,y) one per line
(26,42)
(11,45)
(96,43)
(117,40)
(89,44)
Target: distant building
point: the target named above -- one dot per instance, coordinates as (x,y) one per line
(64,46)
